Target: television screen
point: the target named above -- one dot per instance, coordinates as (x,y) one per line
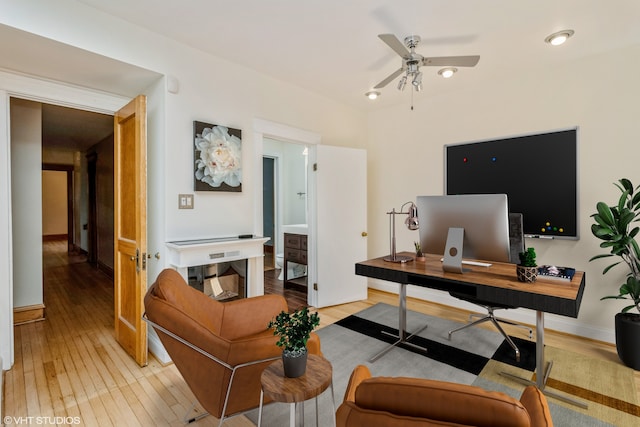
(538,173)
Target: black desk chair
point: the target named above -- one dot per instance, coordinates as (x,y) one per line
(516,240)
(489,317)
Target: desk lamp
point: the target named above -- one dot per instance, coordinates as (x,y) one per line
(412,224)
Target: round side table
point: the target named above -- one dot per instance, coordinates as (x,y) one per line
(317,378)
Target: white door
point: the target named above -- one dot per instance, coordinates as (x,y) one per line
(339,177)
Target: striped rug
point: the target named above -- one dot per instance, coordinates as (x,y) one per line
(474,356)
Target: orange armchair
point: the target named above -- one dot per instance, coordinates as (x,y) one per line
(219,348)
(390,402)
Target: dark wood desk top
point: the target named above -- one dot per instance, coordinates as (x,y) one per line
(497,283)
(315,380)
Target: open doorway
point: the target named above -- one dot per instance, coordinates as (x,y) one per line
(50,138)
(84,139)
(285,204)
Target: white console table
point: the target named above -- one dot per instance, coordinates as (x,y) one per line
(190,253)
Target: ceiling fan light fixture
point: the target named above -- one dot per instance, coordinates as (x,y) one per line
(447,72)
(372,94)
(558,38)
(402,83)
(417,79)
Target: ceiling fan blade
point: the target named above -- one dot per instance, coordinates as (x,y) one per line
(454,61)
(395,44)
(389,79)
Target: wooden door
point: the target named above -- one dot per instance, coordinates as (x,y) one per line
(130,227)
(341,218)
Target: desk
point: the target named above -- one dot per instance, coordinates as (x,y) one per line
(316,379)
(497,283)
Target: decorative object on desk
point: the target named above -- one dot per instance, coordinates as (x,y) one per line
(554,272)
(412,224)
(217,157)
(294,330)
(527,270)
(419,255)
(614,226)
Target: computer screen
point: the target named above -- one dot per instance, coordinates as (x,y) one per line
(484,219)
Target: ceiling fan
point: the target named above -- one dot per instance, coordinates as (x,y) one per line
(411,61)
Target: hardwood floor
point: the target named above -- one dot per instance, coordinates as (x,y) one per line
(295,299)
(69,365)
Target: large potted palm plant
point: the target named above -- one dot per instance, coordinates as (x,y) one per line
(616,226)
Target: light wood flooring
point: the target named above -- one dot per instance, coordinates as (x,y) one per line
(69,365)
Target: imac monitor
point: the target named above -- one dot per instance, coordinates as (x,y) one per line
(471,226)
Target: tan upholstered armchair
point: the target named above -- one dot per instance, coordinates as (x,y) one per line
(389,402)
(219,348)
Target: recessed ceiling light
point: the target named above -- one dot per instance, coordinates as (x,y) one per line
(447,72)
(372,94)
(556,39)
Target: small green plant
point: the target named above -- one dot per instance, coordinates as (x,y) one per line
(294,329)
(418,248)
(528,258)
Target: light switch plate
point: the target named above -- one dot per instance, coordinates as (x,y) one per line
(185,201)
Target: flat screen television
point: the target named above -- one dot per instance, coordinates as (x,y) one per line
(538,173)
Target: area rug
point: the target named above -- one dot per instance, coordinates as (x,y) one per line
(475,356)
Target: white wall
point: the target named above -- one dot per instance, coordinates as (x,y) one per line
(26,201)
(54,202)
(6,252)
(586,93)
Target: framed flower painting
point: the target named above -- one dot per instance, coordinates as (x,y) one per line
(217,157)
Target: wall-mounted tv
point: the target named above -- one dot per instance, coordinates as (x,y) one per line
(538,172)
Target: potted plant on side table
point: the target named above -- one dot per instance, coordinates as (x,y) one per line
(294,330)
(527,270)
(614,226)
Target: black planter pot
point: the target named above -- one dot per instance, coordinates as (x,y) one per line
(294,363)
(628,339)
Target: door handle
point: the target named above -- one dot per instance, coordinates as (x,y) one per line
(137,260)
(364,234)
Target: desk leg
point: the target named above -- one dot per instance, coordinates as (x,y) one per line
(542,371)
(402,326)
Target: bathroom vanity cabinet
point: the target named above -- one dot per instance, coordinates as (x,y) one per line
(295,250)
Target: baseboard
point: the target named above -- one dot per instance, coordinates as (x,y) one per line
(27,314)
(52,237)
(105,269)
(522,315)
(157,349)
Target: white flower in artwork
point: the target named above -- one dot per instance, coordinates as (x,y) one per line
(220,157)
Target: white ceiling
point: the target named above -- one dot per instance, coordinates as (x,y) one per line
(331,46)
(70,129)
